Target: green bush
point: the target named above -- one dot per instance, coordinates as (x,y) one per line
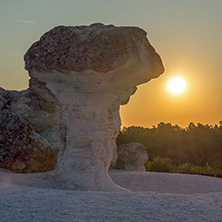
(197,169)
(159,164)
(207,170)
(186,168)
(219,171)
(190,168)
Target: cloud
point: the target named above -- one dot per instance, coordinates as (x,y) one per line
(24,21)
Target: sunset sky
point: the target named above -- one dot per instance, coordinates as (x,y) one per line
(186,33)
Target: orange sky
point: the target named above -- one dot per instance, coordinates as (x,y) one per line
(187,34)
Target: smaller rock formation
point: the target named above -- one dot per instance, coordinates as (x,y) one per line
(131,156)
(22,150)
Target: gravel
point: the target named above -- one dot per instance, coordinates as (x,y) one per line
(153,197)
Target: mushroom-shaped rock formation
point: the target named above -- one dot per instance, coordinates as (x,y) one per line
(90,71)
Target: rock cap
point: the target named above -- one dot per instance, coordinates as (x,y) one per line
(98,47)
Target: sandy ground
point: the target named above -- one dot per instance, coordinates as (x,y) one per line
(153,197)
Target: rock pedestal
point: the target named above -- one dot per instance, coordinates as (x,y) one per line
(90,71)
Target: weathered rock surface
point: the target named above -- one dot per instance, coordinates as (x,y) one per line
(131,156)
(29,140)
(41,110)
(79,78)
(21,149)
(98,47)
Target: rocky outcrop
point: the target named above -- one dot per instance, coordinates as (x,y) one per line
(131,156)
(21,149)
(40,109)
(24,121)
(79,78)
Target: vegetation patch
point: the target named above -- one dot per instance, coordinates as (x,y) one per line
(194,149)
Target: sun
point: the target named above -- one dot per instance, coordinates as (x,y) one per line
(176,85)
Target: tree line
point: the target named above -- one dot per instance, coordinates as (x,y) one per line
(198,144)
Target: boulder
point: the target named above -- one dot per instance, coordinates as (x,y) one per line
(21,149)
(28,134)
(131,156)
(40,109)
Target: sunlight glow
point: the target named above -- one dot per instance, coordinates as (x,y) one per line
(176,85)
